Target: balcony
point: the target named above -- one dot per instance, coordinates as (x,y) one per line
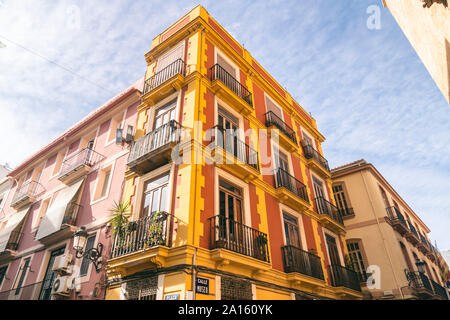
(236,237)
(26,194)
(329,215)
(423,245)
(397,220)
(154,149)
(288,139)
(412,236)
(298,260)
(346,212)
(232,154)
(10,250)
(290,191)
(148,232)
(78,164)
(227,88)
(343,277)
(315,160)
(439,291)
(420,284)
(63,231)
(165,82)
(431,254)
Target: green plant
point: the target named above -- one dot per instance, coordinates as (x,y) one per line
(120,214)
(156,229)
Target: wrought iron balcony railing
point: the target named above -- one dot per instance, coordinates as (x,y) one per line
(285,180)
(298,260)
(176,67)
(161,136)
(227,139)
(83,157)
(323,206)
(219,73)
(413,229)
(228,234)
(311,153)
(344,277)
(439,290)
(346,212)
(418,280)
(13,241)
(273,120)
(151,231)
(29,189)
(395,215)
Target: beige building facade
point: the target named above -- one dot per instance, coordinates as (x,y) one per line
(426,24)
(387,241)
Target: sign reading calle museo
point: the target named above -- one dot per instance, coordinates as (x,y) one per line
(202,286)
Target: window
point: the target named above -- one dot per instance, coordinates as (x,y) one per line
(22,274)
(341,200)
(356,257)
(42,211)
(116,123)
(271,106)
(169,57)
(86,261)
(165,114)
(406,257)
(2,274)
(333,250)
(230,212)
(235,289)
(142,289)
(385,199)
(50,276)
(227,66)
(291,231)
(58,162)
(307,141)
(103,183)
(155,195)
(228,126)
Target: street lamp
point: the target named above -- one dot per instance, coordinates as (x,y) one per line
(420,265)
(93,254)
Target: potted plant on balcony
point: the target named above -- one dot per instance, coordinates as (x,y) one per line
(260,247)
(155,232)
(119,220)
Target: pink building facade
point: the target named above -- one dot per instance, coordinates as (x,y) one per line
(72,182)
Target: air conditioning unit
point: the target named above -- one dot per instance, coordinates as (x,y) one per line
(62,264)
(61,286)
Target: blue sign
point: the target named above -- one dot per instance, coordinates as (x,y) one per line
(172,297)
(202,286)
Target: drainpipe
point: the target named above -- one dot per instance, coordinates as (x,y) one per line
(382,236)
(194,274)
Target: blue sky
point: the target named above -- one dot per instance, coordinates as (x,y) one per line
(371,95)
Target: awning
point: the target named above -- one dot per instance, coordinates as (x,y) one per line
(54,216)
(12,223)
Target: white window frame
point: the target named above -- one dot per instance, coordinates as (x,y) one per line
(326,231)
(266,96)
(65,150)
(120,125)
(169,52)
(168,168)
(299,217)
(152,111)
(111,163)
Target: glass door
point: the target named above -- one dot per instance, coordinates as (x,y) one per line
(230,214)
(228,128)
(161,128)
(320,196)
(50,276)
